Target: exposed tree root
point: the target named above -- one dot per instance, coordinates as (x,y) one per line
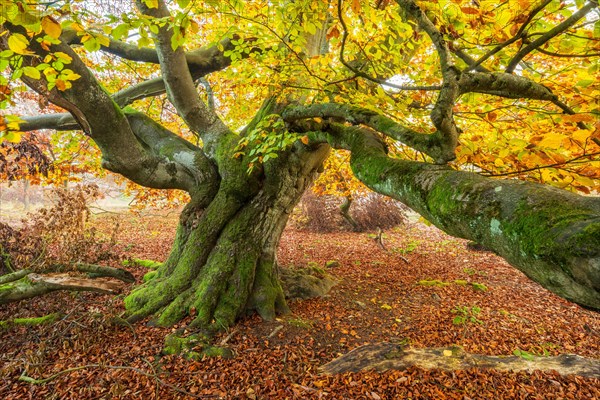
(385,356)
(46,319)
(98,271)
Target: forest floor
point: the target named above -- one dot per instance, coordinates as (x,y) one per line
(380,298)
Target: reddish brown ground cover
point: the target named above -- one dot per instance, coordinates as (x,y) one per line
(86,355)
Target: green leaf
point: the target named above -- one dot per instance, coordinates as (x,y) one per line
(91,44)
(121,31)
(585,82)
(13,136)
(151,3)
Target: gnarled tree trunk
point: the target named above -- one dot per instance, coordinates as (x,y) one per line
(223,260)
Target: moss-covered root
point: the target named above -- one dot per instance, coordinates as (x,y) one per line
(215,296)
(194,347)
(267,297)
(46,319)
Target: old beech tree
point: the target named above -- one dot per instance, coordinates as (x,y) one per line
(433,101)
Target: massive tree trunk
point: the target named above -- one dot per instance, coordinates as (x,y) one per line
(223,260)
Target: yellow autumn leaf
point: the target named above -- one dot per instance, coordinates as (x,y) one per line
(103,40)
(64,57)
(13,136)
(447,353)
(552,140)
(581,135)
(18,43)
(77,27)
(51,27)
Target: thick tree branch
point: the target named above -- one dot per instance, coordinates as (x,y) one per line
(104,121)
(389,356)
(185,162)
(434,34)
(200,61)
(563,26)
(34,285)
(504,85)
(441,115)
(180,86)
(551,235)
(426,143)
(91,106)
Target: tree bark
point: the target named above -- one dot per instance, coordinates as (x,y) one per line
(345,212)
(223,261)
(551,235)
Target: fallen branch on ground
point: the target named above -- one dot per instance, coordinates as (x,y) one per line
(25,284)
(390,356)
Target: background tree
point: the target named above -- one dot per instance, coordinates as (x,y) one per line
(428,97)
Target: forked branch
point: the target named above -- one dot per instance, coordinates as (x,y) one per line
(563,26)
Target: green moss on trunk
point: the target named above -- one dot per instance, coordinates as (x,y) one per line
(551,235)
(222,264)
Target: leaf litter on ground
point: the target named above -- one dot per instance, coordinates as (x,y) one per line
(87,354)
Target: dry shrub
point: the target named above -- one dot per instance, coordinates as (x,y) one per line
(16,249)
(60,234)
(323,213)
(377,211)
(318,213)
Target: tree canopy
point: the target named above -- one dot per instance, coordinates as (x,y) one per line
(238,104)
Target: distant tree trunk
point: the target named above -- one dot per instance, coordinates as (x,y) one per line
(26,194)
(345,211)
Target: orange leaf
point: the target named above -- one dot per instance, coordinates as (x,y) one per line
(469,10)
